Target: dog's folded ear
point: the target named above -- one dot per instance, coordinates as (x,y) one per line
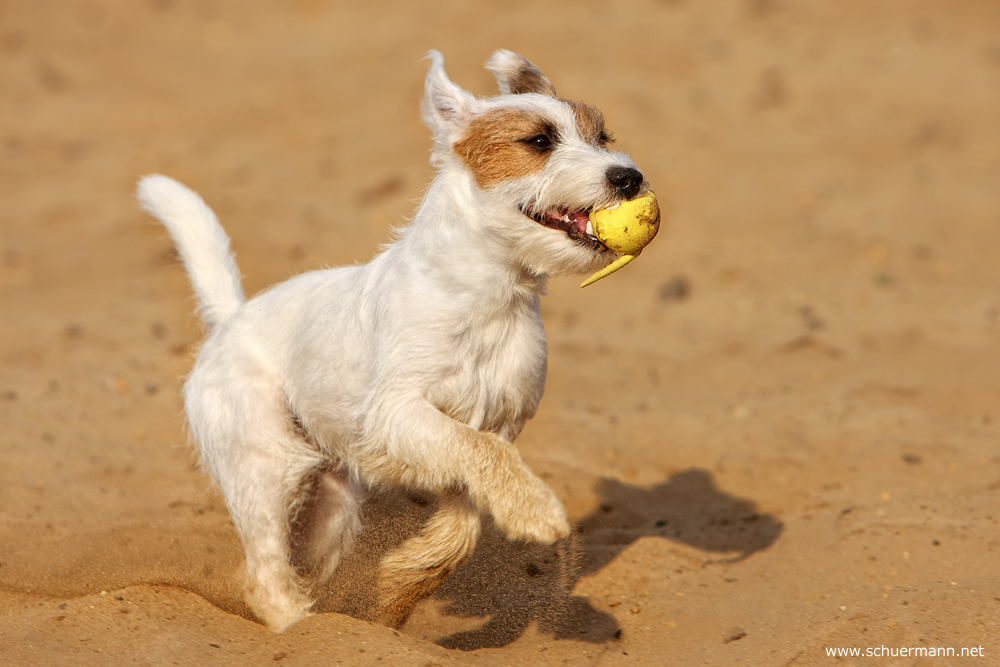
(515,75)
(447,107)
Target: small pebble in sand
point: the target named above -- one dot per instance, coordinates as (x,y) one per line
(734,635)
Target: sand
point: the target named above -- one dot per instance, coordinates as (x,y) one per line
(776,432)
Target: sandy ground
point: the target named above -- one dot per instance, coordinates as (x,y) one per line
(777,432)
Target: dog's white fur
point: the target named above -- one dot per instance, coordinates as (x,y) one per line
(417,369)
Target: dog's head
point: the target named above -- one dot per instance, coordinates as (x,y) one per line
(537,163)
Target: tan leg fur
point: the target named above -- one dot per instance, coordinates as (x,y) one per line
(415,569)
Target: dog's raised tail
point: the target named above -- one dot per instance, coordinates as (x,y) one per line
(201,243)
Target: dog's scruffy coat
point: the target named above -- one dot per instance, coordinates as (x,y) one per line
(417,369)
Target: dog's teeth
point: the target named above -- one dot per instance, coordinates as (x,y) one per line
(590,228)
(564,218)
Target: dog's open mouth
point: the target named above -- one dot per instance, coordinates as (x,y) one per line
(576,224)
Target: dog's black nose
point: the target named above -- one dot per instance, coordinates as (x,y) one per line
(625,180)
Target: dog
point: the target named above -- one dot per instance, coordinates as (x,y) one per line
(417,369)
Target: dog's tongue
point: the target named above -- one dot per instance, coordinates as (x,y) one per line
(579,220)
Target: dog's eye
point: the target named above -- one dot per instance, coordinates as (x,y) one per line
(540,142)
(605,138)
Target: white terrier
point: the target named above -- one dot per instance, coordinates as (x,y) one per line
(418,369)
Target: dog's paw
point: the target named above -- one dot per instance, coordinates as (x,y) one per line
(531,512)
(277,603)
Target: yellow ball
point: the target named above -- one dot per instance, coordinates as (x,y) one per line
(628,227)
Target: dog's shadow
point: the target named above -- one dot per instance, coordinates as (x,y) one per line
(513,584)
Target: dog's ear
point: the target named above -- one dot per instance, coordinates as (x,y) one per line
(515,75)
(447,108)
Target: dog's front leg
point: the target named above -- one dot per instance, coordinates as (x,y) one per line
(522,505)
(420,446)
(418,567)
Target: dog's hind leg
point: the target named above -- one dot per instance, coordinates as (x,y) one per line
(326,522)
(416,568)
(249,444)
(260,507)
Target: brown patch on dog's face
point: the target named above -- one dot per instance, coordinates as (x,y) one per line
(590,124)
(529,79)
(505,144)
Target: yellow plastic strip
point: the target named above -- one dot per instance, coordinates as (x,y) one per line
(609,269)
